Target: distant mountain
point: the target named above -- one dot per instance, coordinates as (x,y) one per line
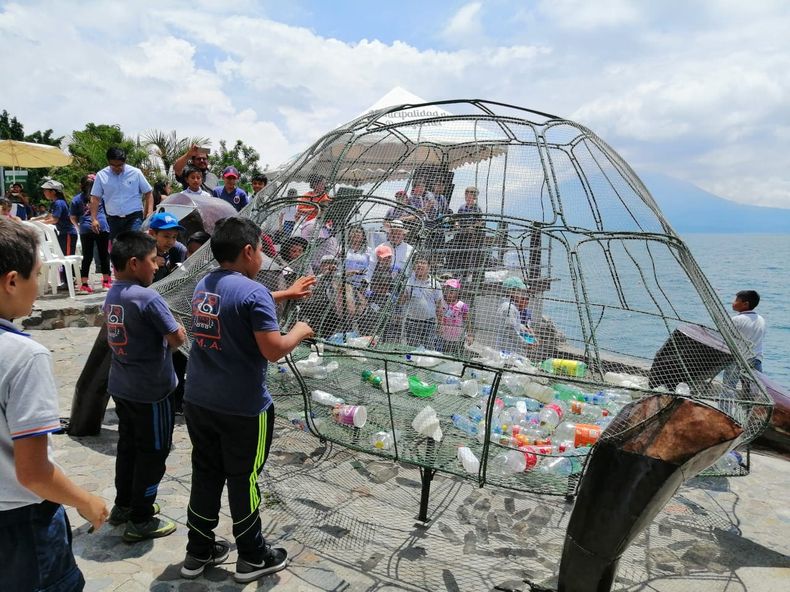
(691,209)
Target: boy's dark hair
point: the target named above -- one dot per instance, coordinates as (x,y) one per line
(116,153)
(751,297)
(86,186)
(200,237)
(131,243)
(18,248)
(422,259)
(189,169)
(230,237)
(261,177)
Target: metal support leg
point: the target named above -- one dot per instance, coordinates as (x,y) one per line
(426,476)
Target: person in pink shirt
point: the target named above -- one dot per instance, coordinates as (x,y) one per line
(454,320)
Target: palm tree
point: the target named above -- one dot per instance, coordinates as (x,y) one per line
(166,147)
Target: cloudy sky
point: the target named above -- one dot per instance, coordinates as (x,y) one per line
(695,90)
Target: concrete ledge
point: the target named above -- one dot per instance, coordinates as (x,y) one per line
(60,311)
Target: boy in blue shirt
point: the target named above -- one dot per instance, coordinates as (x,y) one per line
(164,227)
(141,332)
(230,193)
(35,536)
(228,410)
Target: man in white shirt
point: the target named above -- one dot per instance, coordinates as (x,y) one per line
(750,325)
(121,186)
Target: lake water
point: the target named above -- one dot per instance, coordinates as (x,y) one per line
(734,262)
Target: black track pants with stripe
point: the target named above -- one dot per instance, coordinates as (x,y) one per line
(232,449)
(145,435)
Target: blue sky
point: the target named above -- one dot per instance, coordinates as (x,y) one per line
(697,91)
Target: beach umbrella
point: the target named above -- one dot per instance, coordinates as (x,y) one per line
(28,155)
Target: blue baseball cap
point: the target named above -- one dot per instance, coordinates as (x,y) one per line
(164,221)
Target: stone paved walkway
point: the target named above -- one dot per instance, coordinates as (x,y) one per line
(348,522)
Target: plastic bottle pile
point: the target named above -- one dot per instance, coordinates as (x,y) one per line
(537,422)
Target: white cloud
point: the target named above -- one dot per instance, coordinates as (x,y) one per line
(702,98)
(464,26)
(583,14)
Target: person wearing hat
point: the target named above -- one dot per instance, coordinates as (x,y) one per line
(401,250)
(515,333)
(59,216)
(230,193)
(454,320)
(80,211)
(120,186)
(170,253)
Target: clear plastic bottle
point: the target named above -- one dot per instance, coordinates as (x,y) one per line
(325,398)
(551,415)
(468,460)
(465,424)
(539,392)
(576,434)
(587,410)
(382,440)
(567,464)
(507,462)
(729,463)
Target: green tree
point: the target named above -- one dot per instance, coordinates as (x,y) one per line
(89,149)
(166,147)
(245,158)
(12,129)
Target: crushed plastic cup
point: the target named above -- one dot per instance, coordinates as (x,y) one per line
(420,389)
(426,423)
(468,460)
(351,415)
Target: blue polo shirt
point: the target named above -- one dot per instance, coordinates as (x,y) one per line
(238,198)
(60,210)
(121,193)
(81,209)
(142,364)
(226,371)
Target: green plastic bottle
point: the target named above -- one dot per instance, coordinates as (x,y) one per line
(565,392)
(420,389)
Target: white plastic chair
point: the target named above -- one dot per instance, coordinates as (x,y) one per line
(50,278)
(53,258)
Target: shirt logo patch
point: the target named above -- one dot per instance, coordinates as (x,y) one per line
(116,331)
(205,320)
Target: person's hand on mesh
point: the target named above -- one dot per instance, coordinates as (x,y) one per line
(301,288)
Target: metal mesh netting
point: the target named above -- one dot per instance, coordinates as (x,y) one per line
(503,267)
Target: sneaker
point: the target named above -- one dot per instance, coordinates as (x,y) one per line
(194,566)
(151,529)
(106,284)
(274,560)
(120,514)
(85,289)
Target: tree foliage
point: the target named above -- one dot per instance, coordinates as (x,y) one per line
(164,148)
(13,129)
(89,149)
(245,158)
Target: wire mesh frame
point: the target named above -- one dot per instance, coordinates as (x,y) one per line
(603,166)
